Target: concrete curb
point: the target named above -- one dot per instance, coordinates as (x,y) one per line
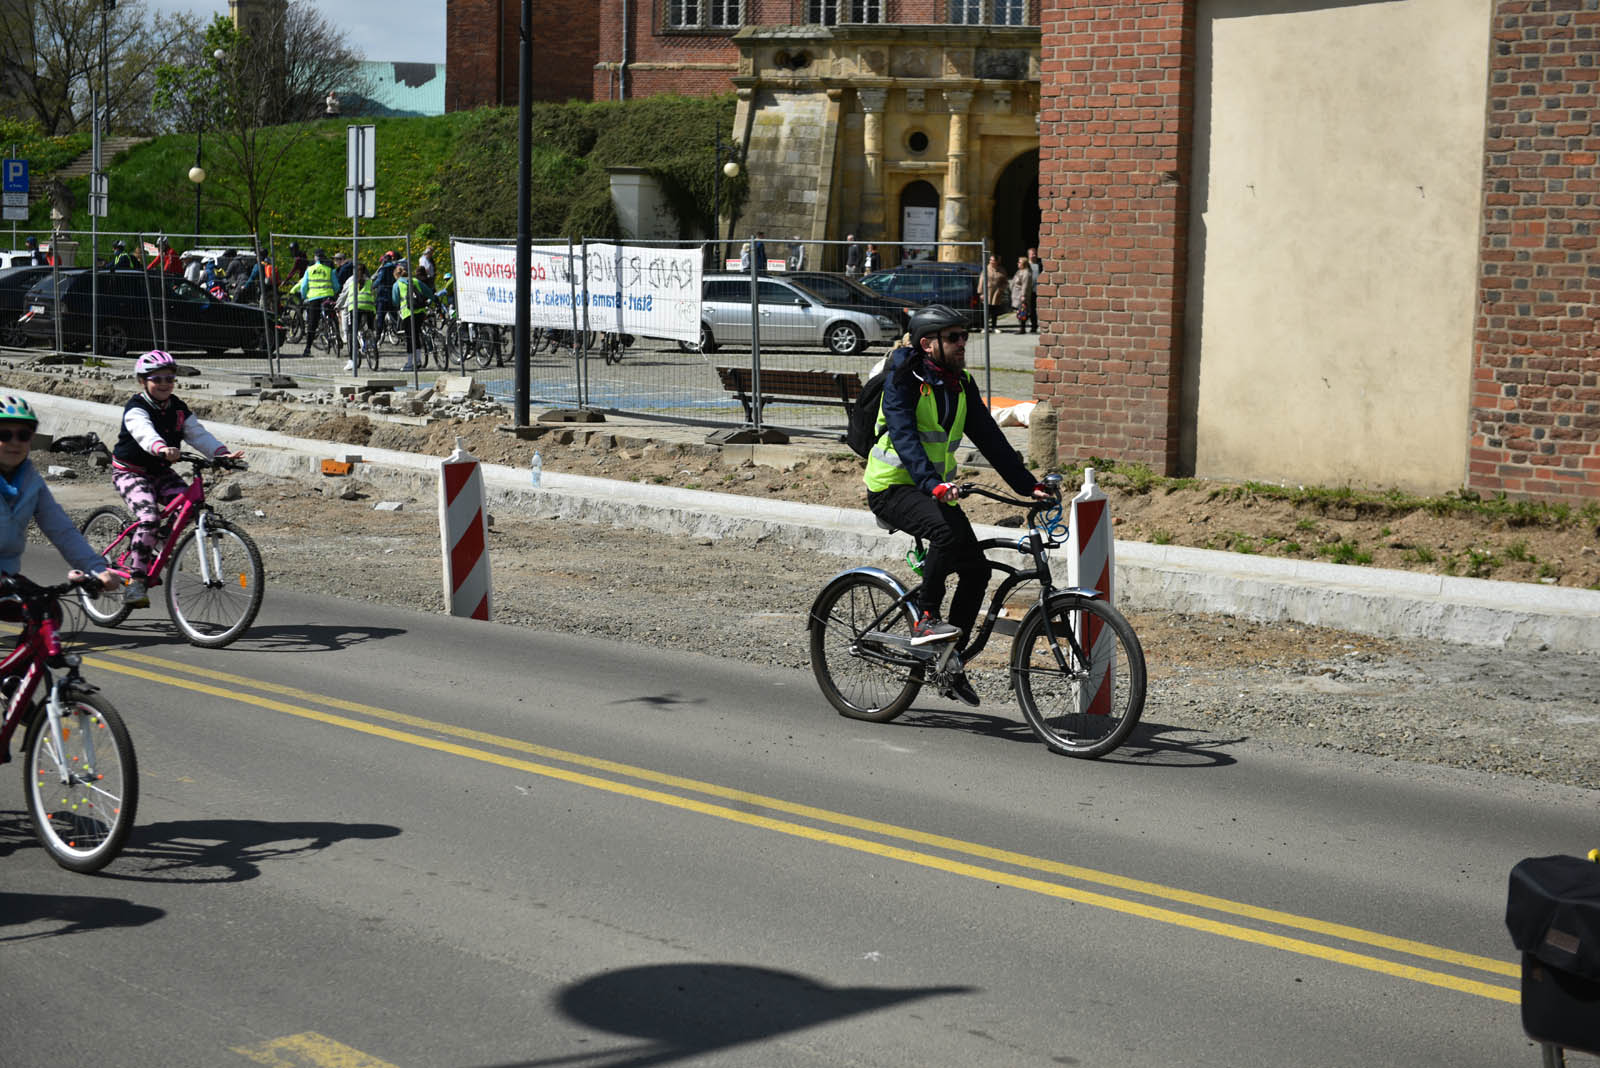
(1366,600)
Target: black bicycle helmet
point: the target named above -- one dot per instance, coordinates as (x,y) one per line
(931,320)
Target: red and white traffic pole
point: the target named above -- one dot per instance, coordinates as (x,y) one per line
(464,534)
(1090,563)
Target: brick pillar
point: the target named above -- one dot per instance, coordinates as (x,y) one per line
(1115,130)
(1535,427)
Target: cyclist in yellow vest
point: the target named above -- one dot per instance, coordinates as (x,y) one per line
(929,403)
(316,287)
(411,296)
(357,288)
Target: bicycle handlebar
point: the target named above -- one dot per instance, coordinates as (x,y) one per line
(21,588)
(223,463)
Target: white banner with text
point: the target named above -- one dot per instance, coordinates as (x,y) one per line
(638,290)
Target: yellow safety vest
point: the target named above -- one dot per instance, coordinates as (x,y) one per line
(884,467)
(319,281)
(364,300)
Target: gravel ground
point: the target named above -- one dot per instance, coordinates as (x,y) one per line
(1215,680)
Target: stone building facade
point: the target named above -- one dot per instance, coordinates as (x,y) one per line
(924,134)
(1258,266)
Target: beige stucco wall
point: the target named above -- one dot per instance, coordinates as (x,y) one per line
(1335,233)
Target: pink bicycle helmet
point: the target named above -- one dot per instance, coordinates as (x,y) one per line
(153,361)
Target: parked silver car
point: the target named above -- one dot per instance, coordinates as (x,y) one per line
(790,314)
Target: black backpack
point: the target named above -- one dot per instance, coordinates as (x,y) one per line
(862,433)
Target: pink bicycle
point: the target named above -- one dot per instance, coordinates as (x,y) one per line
(79,771)
(214,578)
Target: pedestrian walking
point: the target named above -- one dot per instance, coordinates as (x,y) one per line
(1022,294)
(991,288)
(1036,266)
(873,260)
(852,256)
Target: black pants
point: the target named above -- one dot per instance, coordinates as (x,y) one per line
(952,549)
(313,320)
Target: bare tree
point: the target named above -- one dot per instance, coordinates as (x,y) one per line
(252,94)
(50,50)
(317,59)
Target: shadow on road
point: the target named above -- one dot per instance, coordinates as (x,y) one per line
(283,638)
(685,1011)
(68,914)
(1156,745)
(1161,745)
(227,851)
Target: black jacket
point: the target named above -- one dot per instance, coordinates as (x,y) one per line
(907,373)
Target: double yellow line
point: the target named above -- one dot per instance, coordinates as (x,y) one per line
(954,856)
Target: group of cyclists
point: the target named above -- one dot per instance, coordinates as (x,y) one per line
(333,286)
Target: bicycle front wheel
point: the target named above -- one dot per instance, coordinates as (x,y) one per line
(859,677)
(103,527)
(214,584)
(82,797)
(1082,696)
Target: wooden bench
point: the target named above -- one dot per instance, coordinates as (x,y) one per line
(792,387)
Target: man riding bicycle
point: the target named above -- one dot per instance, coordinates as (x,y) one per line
(929,404)
(316,288)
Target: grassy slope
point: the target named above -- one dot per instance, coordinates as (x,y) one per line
(437,175)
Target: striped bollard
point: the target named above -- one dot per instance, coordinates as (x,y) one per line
(464,534)
(1089,563)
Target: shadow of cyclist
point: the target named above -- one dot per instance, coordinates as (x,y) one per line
(683,1012)
(68,914)
(227,851)
(145,633)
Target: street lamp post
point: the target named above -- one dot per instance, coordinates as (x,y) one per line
(731,169)
(197,174)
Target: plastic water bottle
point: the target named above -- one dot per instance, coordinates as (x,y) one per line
(538,469)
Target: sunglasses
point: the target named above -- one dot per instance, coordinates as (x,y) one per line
(21,433)
(954,335)
(165,380)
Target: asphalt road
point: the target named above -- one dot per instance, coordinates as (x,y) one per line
(382,838)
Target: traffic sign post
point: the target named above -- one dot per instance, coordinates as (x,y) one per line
(360,202)
(14,188)
(361,172)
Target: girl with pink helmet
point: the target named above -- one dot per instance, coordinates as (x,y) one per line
(155,426)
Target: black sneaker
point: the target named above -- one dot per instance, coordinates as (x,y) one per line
(930,628)
(961,689)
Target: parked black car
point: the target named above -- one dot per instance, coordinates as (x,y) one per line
(840,289)
(14,285)
(954,284)
(133,306)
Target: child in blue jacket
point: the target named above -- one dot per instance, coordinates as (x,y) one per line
(25,498)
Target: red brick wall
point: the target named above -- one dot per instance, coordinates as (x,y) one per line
(1536,387)
(471,67)
(1115,132)
(566,43)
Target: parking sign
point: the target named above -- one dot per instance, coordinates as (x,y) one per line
(14,190)
(14,175)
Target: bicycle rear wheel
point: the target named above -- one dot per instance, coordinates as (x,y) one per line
(213,613)
(858,677)
(1083,702)
(103,527)
(83,821)
(368,338)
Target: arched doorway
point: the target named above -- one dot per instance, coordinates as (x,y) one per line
(1016,208)
(919,221)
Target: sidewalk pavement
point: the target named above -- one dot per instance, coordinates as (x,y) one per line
(1399,604)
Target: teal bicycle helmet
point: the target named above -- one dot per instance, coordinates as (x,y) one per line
(13,407)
